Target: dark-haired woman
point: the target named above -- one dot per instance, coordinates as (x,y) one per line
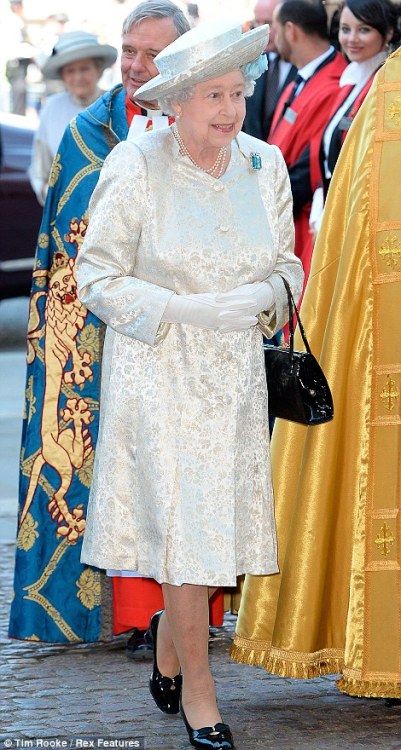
(368,31)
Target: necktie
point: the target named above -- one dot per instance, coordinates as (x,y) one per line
(298,80)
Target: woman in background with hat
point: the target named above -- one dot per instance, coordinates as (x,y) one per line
(185,277)
(79,60)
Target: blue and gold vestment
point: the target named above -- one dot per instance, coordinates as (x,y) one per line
(56,598)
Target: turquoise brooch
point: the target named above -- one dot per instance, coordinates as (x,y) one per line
(256,160)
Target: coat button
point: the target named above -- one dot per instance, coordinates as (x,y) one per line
(218,187)
(224,228)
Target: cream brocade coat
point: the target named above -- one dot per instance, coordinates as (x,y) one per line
(182,485)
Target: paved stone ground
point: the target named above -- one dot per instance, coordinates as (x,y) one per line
(94,690)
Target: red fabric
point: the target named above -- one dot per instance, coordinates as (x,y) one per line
(312,107)
(134,602)
(136,599)
(131,109)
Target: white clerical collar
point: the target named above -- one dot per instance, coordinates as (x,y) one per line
(360,72)
(151,113)
(140,123)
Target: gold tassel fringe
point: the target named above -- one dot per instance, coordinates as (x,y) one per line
(369,689)
(298,670)
(320,666)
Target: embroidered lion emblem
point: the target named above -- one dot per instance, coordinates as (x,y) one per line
(66,443)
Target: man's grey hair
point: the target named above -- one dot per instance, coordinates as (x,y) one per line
(157,9)
(167,103)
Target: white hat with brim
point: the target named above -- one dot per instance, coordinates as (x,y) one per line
(207,51)
(74,46)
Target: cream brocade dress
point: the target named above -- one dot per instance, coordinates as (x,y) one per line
(182,486)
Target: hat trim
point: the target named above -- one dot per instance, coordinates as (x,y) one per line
(53,65)
(221,63)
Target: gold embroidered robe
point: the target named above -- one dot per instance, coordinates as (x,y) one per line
(336,604)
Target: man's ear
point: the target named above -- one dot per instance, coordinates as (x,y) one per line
(290,31)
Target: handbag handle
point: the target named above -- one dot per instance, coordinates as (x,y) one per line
(292,308)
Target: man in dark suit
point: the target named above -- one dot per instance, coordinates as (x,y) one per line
(261,105)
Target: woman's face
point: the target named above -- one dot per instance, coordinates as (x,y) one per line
(81,78)
(358,40)
(214,115)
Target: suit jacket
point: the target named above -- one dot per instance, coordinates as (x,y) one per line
(257,120)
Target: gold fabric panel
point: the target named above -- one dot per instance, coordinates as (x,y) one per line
(336,603)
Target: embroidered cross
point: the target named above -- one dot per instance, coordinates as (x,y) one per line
(389,394)
(384,540)
(394,110)
(390,250)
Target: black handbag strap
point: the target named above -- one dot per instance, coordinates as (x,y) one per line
(292,308)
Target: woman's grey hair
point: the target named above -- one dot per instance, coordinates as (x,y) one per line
(157,9)
(167,103)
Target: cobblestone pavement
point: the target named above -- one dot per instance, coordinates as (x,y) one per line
(53,691)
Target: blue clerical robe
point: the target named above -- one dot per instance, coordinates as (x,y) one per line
(56,598)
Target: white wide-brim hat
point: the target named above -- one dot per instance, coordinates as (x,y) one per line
(207,51)
(74,46)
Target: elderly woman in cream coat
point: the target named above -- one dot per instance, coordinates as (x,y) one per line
(190,230)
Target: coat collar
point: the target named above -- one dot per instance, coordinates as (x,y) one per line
(109,111)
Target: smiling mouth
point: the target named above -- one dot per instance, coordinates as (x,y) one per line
(224,128)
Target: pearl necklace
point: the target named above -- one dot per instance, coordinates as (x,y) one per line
(216,170)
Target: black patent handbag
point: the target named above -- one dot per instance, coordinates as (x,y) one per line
(296,384)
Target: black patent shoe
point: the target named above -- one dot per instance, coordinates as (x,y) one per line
(165,691)
(138,647)
(218,737)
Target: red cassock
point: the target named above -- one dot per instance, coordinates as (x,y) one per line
(136,599)
(294,127)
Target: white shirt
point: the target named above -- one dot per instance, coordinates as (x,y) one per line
(309,69)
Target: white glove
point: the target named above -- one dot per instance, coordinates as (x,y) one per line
(261,292)
(316,212)
(234,313)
